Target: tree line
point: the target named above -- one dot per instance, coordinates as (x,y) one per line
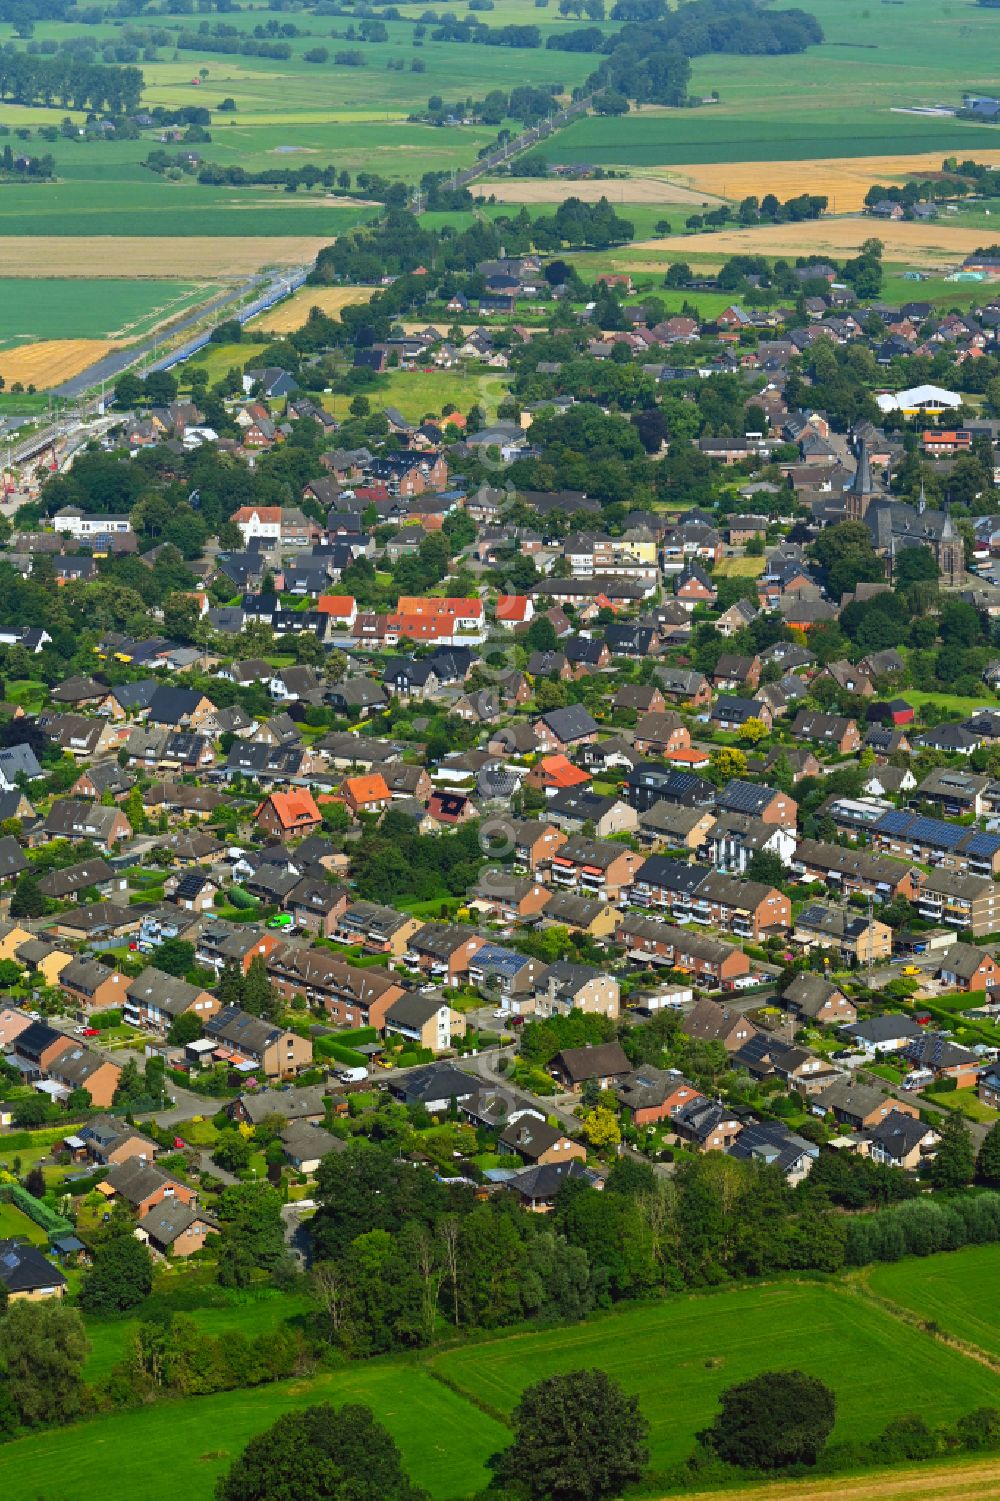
(68,82)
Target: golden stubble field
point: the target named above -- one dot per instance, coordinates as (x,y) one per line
(933,244)
(844,180)
(294,311)
(51,361)
(198,257)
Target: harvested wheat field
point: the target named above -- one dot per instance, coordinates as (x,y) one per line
(198,257)
(294,311)
(845,181)
(918,244)
(952,1482)
(590,190)
(51,360)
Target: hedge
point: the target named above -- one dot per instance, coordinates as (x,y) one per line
(45,1218)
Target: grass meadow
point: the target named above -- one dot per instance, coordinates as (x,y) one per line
(677,1357)
(956,1291)
(171,1449)
(448,1412)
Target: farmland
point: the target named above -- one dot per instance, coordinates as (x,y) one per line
(51,361)
(956,1292)
(294,311)
(932,244)
(844,180)
(96,308)
(631,191)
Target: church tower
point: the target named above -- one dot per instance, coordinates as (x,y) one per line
(861,491)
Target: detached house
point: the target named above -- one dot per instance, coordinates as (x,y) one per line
(287,815)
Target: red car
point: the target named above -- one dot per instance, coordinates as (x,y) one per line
(91,1032)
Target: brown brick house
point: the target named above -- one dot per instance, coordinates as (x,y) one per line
(350,995)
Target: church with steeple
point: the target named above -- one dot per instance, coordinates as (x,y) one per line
(895,524)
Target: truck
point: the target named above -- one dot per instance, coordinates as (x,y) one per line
(351,1075)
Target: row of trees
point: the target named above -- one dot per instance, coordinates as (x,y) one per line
(68,82)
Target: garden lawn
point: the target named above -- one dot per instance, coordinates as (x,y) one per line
(15,1225)
(679,1356)
(180,1448)
(746,567)
(956,1290)
(966,1101)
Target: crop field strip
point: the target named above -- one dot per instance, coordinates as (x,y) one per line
(933,244)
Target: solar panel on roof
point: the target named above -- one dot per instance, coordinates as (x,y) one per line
(933,831)
(983,844)
(894,822)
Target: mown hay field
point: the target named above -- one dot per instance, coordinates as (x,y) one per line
(196,258)
(51,361)
(625,191)
(844,180)
(294,311)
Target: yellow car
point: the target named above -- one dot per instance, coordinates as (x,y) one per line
(911,969)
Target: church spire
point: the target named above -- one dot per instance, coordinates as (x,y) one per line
(921,499)
(861,484)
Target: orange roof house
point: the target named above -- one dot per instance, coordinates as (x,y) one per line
(420,606)
(368,794)
(284,815)
(341,608)
(554,774)
(514,609)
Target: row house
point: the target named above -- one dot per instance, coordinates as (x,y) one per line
(154,1000)
(241,1039)
(749,909)
(709,961)
(444,951)
(74,819)
(222,943)
(855,872)
(833,731)
(351,997)
(947,846)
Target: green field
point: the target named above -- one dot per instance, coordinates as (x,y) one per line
(677,1356)
(957,1291)
(665,137)
(877,1366)
(157,1453)
(101,308)
(421,393)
